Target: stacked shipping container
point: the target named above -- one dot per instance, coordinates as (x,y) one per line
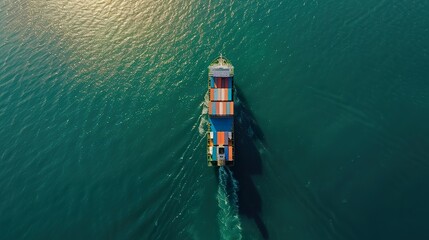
(221,103)
(221,108)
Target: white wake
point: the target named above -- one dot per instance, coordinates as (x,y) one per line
(227,198)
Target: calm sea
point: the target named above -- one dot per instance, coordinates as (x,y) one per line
(102,119)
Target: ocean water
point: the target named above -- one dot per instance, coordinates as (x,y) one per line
(102,119)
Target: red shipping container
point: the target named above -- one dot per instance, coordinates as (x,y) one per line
(217,82)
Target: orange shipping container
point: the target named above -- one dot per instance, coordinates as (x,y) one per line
(221,138)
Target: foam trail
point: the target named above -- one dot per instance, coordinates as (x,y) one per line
(203,117)
(227,198)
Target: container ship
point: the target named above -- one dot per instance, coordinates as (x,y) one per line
(220,136)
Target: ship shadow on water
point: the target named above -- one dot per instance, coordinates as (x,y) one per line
(248,162)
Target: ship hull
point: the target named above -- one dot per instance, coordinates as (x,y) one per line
(220,135)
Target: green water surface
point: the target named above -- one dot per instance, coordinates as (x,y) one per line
(102,119)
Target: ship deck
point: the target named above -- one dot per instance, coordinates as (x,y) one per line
(220,135)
